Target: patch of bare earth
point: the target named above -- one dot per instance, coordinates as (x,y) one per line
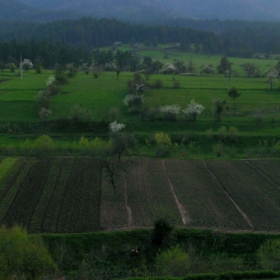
(230,197)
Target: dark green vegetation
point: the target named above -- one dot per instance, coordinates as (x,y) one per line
(113,255)
(232,38)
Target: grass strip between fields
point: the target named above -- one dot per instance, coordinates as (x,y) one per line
(5,166)
(220,276)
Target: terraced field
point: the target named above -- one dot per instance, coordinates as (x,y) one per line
(63,195)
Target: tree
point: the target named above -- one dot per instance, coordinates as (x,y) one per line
(218,109)
(194,109)
(2,66)
(120,144)
(251,69)
(277,67)
(12,66)
(271,77)
(180,66)
(122,59)
(224,66)
(233,93)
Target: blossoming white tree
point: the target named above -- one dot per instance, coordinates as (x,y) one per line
(50,80)
(170,111)
(116,127)
(194,109)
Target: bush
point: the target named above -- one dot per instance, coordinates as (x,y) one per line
(53,89)
(157,84)
(79,114)
(172,262)
(163,139)
(164,144)
(170,112)
(268,255)
(23,256)
(43,99)
(176,83)
(222,133)
(149,114)
(219,149)
(44,113)
(134,100)
(276,149)
(209,133)
(43,145)
(233,134)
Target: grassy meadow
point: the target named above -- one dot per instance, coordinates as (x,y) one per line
(256,113)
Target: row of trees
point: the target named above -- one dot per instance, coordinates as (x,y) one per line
(41,53)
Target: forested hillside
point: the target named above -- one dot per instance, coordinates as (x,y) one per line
(88,33)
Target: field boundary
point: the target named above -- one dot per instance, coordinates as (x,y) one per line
(184,214)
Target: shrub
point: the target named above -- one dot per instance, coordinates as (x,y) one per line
(172,262)
(133,100)
(176,83)
(71,70)
(51,80)
(93,147)
(164,144)
(44,113)
(114,114)
(149,114)
(219,149)
(157,84)
(43,145)
(79,114)
(268,255)
(222,133)
(43,99)
(170,111)
(115,127)
(276,149)
(233,133)
(22,256)
(53,89)
(209,133)
(163,139)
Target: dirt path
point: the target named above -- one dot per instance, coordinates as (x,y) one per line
(229,196)
(184,214)
(128,209)
(262,174)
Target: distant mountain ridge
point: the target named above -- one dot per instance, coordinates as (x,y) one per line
(144,11)
(197,9)
(12,10)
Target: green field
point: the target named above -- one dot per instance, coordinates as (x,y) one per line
(212,175)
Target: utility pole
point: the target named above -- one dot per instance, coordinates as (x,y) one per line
(228,76)
(21,74)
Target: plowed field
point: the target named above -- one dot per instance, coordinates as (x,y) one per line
(63,195)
